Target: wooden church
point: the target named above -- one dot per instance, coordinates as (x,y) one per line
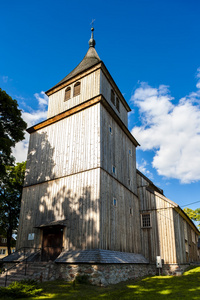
(82,191)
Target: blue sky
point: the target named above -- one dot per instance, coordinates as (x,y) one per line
(151,49)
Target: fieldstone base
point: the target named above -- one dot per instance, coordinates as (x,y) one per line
(98,274)
(105,274)
(174,269)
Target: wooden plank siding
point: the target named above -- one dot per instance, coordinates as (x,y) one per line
(166,236)
(70,176)
(186,244)
(90,88)
(105,90)
(118,228)
(74,198)
(66,147)
(63,182)
(115,146)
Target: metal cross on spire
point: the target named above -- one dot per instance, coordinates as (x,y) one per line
(92,22)
(92,41)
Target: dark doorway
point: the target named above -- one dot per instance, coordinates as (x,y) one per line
(52,242)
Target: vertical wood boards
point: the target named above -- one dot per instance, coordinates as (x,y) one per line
(73,198)
(166,236)
(115,146)
(118,228)
(66,147)
(186,240)
(105,90)
(90,87)
(63,164)
(62,173)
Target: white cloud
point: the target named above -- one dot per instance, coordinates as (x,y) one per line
(31,117)
(172,131)
(198,77)
(143,169)
(34,117)
(42,99)
(5,79)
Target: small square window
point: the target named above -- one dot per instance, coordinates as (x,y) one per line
(114,170)
(129,181)
(110,129)
(131,211)
(114,202)
(130,152)
(146,220)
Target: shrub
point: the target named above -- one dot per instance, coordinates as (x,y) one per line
(82,279)
(19,289)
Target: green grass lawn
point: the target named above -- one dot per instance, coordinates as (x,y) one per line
(186,286)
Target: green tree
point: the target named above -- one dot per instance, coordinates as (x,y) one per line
(12,129)
(193,214)
(11,185)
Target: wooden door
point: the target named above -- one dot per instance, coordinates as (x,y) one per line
(52,243)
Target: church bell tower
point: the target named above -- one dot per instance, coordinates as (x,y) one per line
(80,187)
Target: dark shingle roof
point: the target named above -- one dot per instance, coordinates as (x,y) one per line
(100,256)
(91,58)
(21,255)
(53,223)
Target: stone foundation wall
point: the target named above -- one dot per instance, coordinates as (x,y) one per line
(174,269)
(106,274)
(99,274)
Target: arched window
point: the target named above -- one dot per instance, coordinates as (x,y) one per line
(77,88)
(112,97)
(67,93)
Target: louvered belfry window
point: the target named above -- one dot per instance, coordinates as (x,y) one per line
(77,88)
(67,93)
(112,97)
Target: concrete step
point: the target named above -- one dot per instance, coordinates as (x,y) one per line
(17,273)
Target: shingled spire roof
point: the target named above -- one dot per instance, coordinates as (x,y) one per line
(91,58)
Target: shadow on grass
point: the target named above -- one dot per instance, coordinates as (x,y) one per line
(186,286)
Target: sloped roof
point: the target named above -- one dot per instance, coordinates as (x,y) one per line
(29,254)
(159,192)
(91,58)
(100,256)
(151,184)
(53,223)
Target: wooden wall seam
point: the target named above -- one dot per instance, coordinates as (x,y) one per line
(83,171)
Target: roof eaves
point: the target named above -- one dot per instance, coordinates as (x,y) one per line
(68,81)
(107,73)
(160,191)
(187,218)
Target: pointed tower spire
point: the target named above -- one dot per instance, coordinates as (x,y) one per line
(92,42)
